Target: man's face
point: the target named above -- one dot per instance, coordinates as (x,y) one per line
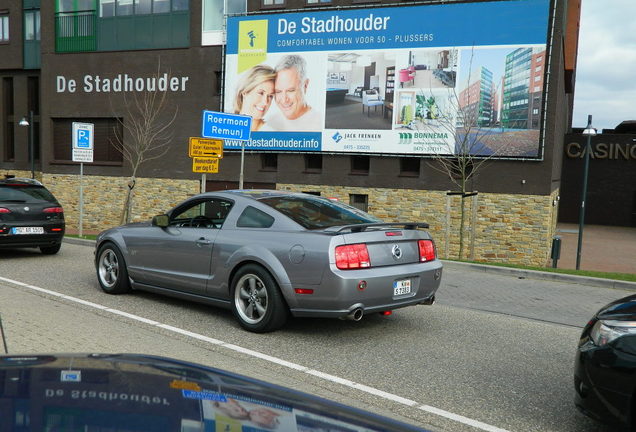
(290,93)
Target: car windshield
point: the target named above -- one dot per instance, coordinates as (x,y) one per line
(318,213)
(26,193)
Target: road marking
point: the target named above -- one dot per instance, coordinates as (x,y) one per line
(335,379)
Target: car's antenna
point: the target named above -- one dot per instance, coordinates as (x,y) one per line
(4,341)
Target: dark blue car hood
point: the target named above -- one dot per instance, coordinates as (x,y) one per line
(77,392)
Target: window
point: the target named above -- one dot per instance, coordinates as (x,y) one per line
(359,201)
(124,7)
(32,25)
(210,213)
(111,8)
(214,12)
(270,3)
(360,165)
(318,213)
(310,2)
(143,7)
(4,27)
(269,162)
(75,5)
(107,132)
(313,163)
(8,118)
(254,218)
(410,166)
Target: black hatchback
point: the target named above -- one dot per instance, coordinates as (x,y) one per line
(30,216)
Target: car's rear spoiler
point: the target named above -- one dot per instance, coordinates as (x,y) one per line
(363,227)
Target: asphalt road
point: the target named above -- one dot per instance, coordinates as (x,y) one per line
(495,353)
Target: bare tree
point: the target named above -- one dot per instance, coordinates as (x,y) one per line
(463,126)
(148,129)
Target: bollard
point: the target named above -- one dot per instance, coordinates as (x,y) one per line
(555,254)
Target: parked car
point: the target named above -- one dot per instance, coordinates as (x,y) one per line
(30,216)
(268,254)
(134,392)
(605,367)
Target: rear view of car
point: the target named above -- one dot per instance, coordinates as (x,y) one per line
(30,216)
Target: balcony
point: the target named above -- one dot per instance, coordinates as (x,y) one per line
(76,31)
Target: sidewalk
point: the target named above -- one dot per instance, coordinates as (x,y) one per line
(604,248)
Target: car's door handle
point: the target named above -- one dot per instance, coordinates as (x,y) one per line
(203,242)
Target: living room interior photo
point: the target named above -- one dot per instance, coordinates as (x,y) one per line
(359,90)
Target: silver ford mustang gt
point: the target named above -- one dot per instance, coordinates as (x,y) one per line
(268,254)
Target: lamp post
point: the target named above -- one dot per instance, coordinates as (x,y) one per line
(29,123)
(589,132)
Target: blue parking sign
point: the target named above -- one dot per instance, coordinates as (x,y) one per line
(83,138)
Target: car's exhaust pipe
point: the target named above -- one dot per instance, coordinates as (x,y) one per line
(429,301)
(355,315)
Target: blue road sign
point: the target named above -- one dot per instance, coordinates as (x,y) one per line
(226,126)
(83,138)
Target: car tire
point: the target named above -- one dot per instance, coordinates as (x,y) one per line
(256,300)
(111,270)
(50,250)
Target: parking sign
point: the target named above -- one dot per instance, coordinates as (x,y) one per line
(82,142)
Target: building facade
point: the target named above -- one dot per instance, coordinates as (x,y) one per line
(100,61)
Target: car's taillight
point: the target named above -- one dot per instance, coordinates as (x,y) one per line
(353,256)
(427,250)
(4,210)
(54,210)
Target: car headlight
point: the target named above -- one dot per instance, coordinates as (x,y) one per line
(605,331)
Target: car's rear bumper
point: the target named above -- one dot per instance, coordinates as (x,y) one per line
(31,240)
(340,293)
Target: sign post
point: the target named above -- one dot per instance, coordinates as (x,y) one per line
(204,148)
(228,126)
(82,152)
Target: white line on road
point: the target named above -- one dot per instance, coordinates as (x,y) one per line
(342,381)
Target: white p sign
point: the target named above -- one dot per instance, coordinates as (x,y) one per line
(82,142)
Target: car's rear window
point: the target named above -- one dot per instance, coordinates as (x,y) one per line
(24,193)
(318,213)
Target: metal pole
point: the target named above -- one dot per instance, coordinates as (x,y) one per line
(203,182)
(242,163)
(81,203)
(586,167)
(4,340)
(31,154)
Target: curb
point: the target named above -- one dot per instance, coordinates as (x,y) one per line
(508,271)
(536,274)
(79,241)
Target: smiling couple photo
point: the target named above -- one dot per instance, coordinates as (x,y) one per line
(287,85)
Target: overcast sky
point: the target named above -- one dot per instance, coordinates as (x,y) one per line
(606,65)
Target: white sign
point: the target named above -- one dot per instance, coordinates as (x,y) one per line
(83,142)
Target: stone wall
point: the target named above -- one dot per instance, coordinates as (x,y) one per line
(515,229)
(104,198)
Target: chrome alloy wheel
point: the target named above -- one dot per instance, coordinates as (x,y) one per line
(108,268)
(250,298)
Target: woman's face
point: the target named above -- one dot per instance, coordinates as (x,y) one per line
(256,102)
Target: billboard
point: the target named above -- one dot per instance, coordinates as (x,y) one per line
(415,80)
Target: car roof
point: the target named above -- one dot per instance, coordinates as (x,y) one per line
(8,179)
(258,194)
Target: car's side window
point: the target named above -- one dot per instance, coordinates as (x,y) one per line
(210,213)
(254,218)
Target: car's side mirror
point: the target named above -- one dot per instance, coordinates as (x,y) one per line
(161,220)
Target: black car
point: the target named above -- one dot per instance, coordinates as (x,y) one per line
(605,367)
(30,216)
(135,393)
